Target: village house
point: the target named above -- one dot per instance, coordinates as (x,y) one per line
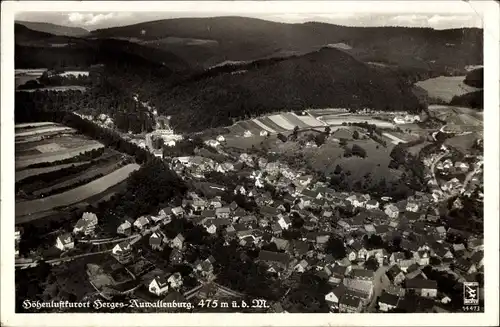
(392,211)
(361,251)
(412,207)
(158,285)
(352,254)
(350,304)
(122,251)
(86,225)
(141,223)
(362,274)
(157,240)
(333,298)
(301,266)
(178,242)
(395,275)
(284,222)
(282,260)
(388,302)
(477,259)
(372,204)
(422,257)
(465,266)
(176,257)
(475,244)
(125,228)
(363,287)
(441,232)
(165,212)
(240,189)
(65,242)
(422,287)
(178,212)
(221,138)
(224,212)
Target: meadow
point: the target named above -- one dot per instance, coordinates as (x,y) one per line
(446,87)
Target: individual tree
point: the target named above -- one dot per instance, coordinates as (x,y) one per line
(355,135)
(371,264)
(336,248)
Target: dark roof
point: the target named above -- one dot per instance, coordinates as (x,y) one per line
(477,257)
(267,210)
(412,268)
(393,272)
(350,301)
(390,299)
(300,246)
(270,256)
(419,283)
(408,245)
(208,213)
(362,273)
(339,270)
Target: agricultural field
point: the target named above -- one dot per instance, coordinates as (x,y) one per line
(41,130)
(70,172)
(446,87)
(57,89)
(75,195)
(338,120)
(23,174)
(325,112)
(48,157)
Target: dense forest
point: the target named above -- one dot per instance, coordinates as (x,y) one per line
(472,100)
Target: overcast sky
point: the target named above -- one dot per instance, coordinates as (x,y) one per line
(96,20)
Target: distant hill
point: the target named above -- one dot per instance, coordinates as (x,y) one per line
(209,41)
(35,49)
(325,78)
(55,29)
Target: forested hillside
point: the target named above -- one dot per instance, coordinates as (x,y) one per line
(326,78)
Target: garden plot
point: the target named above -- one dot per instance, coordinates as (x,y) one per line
(282,122)
(294,120)
(264,127)
(77,194)
(249,125)
(310,121)
(34,124)
(268,122)
(42,130)
(26,161)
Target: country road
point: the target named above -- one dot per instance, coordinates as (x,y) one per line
(378,287)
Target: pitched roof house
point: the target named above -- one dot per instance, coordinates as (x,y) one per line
(86,224)
(65,242)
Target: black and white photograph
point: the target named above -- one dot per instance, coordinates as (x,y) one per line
(250,157)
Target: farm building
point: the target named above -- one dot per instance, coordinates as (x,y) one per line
(125,228)
(65,242)
(141,222)
(122,252)
(86,224)
(158,285)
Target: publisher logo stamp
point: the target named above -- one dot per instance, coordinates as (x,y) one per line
(471,293)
